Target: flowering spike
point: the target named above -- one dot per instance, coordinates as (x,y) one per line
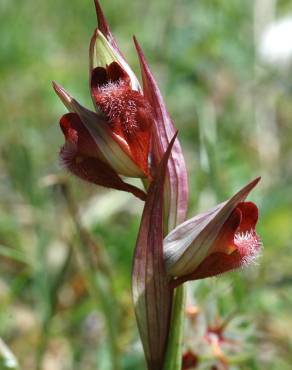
(176,188)
(214,242)
(152,295)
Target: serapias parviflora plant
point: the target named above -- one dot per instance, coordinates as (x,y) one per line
(130,134)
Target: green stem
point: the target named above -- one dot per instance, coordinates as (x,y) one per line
(173,356)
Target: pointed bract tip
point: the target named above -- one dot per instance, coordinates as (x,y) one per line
(62,93)
(243,192)
(138,47)
(98,9)
(168,151)
(256,180)
(59,89)
(135,40)
(55,85)
(101,20)
(251,184)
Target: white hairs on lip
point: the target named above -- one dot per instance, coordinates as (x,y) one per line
(249,245)
(109,86)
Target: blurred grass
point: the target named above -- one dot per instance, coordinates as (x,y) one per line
(202,53)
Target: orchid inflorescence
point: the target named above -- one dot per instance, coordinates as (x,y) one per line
(131,134)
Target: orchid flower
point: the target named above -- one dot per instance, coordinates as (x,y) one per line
(206,245)
(214,242)
(114,140)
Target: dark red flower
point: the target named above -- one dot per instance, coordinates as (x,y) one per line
(116,139)
(215,242)
(81,156)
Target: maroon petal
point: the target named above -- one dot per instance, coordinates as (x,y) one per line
(150,284)
(102,76)
(216,264)
(116,73)
(76,133)
(98,78)
(163,131)
(250,215)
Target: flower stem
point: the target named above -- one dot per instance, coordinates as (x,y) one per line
(173,356)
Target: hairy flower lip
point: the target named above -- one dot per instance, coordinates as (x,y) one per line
(128,112)
(191,243)
(115,150)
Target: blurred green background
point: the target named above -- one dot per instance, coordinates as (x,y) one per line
(230,98)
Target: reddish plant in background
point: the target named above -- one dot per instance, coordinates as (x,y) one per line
(131,134)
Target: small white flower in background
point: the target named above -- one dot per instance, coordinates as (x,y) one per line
(275,44)
(7,358)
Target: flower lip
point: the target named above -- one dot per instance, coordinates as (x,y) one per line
(246,240)
(128,113)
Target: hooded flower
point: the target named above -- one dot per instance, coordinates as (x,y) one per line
(214,242)
(114,140)
(92,151)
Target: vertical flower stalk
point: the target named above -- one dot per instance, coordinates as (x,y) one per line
(175,197)
(130,134)
(152,293)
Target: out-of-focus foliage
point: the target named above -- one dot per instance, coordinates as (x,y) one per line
(234,117)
